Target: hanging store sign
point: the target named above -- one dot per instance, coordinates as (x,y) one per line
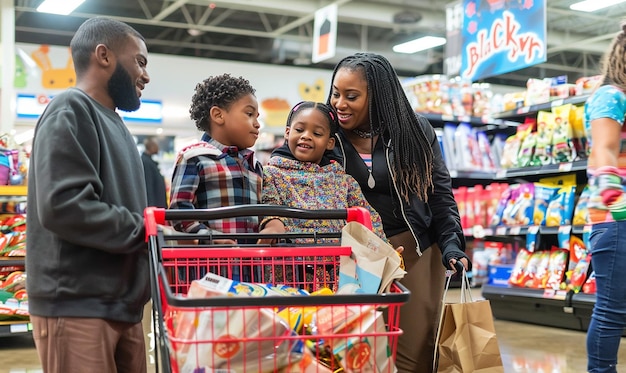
(324,33)
(502,36)
(454,39)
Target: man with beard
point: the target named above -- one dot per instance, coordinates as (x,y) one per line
(87,260)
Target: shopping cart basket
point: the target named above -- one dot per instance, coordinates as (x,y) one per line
(271,333)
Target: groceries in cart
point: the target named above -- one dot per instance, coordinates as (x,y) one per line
(272,331)
(259,308)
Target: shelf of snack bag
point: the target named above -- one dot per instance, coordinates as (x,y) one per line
(521,191)
(14,318)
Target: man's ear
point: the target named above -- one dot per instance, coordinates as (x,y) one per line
(104,56)
(217,115)
(331,143)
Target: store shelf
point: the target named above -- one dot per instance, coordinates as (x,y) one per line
(9,328)
(534,306)
(502,231)
(532,109)
(13,190)
(473,175)
(474,121)
(551,169)
(8,261)
(521,173)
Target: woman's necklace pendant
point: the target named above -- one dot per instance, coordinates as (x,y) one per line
(370,181)
(363,134)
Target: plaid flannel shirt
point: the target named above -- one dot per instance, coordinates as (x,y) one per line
(208,175)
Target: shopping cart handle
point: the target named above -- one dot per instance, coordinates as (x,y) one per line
(153,216)
(359,214)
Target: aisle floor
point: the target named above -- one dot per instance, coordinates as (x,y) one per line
(525,348)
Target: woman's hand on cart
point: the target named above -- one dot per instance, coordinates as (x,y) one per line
(274,226)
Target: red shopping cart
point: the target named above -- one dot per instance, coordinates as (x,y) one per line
(202,327)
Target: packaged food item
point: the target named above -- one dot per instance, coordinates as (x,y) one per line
(581,213)
(536,271)
(526,150)
(577,251)
(537,91)
(467,149)
(579,274)
(590,285)
(579,138)
(543,144)
(557,265)
(517,273)
(587,84)
(364,352)
(499,216)
(544,193)
(561,207)
(562,147)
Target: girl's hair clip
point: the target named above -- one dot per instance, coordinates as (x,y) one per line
(295,108)
(332,116)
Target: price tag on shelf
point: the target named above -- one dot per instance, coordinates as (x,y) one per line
(515,231)
(565,167)
(19,328)
(558,102)
(523,110)
(565,229)
(501,231)
(533,229)
(478,231)
(549,293)
(446,117)
(454,174)
(560,294)
(500,174)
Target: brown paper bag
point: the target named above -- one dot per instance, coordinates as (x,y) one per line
(466,338)
(373,265)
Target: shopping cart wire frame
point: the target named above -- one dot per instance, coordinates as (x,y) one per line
(164,297)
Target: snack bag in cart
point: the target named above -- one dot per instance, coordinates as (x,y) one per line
(229,329)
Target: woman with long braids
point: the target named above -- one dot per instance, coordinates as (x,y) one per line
(394,155)
(604,117)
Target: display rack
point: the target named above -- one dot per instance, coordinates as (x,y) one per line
(536,306)
(15,327)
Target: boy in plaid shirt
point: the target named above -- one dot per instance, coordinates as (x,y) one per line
(220,170)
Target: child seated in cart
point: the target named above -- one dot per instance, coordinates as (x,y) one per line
(300,175)
(221,169)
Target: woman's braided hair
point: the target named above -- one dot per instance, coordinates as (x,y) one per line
(391,115)
(614,61)
(221,91)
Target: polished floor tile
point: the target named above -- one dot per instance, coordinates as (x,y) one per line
(525,348)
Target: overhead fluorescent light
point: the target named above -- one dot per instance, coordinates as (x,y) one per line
(61,7)
(593,5)
(419,44)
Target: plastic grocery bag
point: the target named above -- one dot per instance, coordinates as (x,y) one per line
(466,338)
(373,265)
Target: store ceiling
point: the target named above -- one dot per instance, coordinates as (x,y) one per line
(280,31)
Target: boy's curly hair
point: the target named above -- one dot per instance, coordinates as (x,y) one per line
(221,91)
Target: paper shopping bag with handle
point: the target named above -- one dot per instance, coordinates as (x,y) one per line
(373,265)
(466,338)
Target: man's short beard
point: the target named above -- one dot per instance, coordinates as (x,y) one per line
(122,90)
